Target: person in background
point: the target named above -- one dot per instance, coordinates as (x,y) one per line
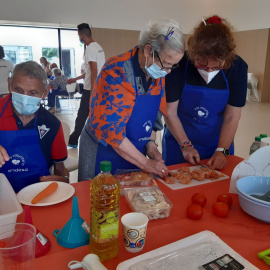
(124,108)
(94,59)
(31,138)
(205,95)
(6,68)
(58,85)
(46,66)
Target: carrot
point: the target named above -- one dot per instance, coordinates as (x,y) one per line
(45,192)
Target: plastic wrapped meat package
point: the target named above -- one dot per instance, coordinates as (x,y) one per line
(134,178)
(149,200)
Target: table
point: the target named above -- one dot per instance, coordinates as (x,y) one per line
(243,233)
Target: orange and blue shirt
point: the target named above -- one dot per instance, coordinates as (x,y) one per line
(114,96)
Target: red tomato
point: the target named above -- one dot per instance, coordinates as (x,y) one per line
(194,211)
(226,198)
(199,198)
(220,209)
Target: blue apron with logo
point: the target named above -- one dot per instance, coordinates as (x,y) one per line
(201,112)
(138,130)
(27,162)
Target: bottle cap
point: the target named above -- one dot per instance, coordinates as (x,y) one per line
(258,138)
(105,166)
(263,135)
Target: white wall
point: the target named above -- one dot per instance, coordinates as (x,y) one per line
(133,15)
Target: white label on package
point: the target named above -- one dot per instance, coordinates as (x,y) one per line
(42,239)
(147,197)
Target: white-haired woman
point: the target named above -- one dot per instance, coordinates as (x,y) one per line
(125,104)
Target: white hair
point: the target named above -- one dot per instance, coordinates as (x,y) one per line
(56,71)
(163,34)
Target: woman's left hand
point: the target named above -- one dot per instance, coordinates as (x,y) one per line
(54,178)
(152,151)
(217,161)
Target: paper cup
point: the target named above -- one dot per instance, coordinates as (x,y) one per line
(134,231)
(265,142)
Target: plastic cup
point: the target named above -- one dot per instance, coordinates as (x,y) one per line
(134,231)
(17,246)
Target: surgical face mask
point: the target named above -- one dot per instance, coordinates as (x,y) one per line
(154,71)
(24,104)
(208,76)
(81,41)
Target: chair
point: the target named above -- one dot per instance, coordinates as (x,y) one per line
(71,163)
(71,90)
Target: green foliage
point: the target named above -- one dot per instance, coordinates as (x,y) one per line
(50,53)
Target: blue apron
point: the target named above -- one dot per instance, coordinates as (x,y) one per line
(138,130)
(27,162)
(201,112)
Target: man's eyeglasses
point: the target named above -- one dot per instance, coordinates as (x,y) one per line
(165,68)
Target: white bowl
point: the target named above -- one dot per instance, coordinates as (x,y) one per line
(254,185)
(257,185)
(255,209)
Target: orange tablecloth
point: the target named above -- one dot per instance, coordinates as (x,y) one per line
(245,234)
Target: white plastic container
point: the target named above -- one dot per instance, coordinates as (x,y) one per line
(10,207)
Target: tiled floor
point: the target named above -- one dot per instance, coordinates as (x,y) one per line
(255,120)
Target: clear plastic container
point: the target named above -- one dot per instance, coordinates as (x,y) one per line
(135,178)
(150,201)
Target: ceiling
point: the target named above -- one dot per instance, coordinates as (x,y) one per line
(133,15)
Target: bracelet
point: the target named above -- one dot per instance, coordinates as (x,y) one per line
(185,145)
(153,142)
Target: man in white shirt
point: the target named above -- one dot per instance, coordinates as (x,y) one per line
(94,59)
(6,68)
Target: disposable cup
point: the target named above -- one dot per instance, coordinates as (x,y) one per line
(134,231)
(265,142)
(17,246)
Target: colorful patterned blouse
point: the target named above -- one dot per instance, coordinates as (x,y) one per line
(113,98)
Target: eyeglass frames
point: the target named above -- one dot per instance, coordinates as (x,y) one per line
(162,67)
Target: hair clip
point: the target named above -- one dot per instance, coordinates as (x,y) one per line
(203,21)
(214,20)
(169,33)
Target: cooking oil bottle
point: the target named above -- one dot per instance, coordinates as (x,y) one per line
(104,208)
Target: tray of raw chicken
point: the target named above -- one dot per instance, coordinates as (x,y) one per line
(191,176)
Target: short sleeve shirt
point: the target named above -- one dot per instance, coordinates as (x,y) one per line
(236,76)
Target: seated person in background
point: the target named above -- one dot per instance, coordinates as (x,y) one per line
(58,84)
(46,66)
(52,66)
(31,138)
(6,68)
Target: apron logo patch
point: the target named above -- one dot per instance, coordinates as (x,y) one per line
(148,126)
(201,112)
(43,130)
(17,160)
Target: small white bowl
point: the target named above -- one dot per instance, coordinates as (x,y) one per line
(254,185)
(257,185)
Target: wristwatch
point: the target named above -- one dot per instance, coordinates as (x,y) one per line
(225,151)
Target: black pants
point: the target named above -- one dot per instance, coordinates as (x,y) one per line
(82,115)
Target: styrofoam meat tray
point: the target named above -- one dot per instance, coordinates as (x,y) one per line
(194,182)
(188,253)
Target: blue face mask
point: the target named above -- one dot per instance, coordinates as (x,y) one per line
(24,104)
(81,41)
(154,71)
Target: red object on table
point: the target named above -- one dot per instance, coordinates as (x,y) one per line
(243,233)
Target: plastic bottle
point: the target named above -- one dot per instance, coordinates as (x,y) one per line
(256,145)
(104,210)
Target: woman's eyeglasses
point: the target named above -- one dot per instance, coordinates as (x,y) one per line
(165,68)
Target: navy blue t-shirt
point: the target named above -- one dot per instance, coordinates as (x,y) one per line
(236,76)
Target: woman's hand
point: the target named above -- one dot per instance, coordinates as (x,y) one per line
(157,167)
(3,156)
(152,151)
(191,155)
(217,161)
(54,178)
